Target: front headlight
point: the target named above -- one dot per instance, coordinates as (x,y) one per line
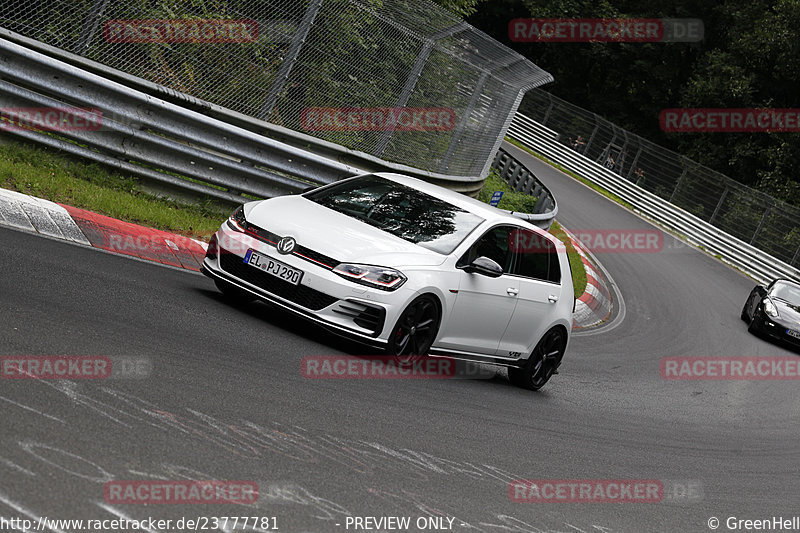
(237,222)
(770,308)
(384,278)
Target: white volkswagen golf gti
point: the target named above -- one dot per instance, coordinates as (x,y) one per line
(408,266)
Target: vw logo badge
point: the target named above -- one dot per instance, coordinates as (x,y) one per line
(286,245)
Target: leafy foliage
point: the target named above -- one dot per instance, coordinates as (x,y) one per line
(511,200)
(750,57)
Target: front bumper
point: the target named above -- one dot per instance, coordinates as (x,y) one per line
(775,329)
(322,296)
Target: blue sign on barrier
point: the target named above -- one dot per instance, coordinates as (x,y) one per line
(496,198)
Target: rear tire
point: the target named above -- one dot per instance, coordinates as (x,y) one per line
(543,362)
(233,293)
(744,314)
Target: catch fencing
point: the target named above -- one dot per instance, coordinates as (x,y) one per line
(749,215)
(750,259)
(317,67)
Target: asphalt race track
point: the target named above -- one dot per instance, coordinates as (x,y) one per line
(226,401)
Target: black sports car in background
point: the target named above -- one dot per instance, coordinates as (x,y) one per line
(775,310)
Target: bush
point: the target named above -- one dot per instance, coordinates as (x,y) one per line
(511,200)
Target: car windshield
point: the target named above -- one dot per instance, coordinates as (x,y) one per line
(402,211)
(787,292)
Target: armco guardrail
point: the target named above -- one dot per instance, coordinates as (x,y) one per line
(521,179)
(51,62)
(747,258)
(152,138)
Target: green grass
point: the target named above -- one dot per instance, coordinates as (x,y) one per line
(575,263)
(517,201)
(64,179)
(594,186)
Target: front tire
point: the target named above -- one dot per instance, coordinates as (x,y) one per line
(755,326)
(542,363)
(415,331)
(744,315)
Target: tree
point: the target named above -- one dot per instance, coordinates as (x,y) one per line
(750,57)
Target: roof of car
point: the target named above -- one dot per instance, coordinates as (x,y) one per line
(458,199)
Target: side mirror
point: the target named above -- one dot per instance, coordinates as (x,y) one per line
(485,267)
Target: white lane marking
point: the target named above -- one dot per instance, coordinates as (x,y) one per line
(14,466)
(31,409)
(25,511)
(33,447)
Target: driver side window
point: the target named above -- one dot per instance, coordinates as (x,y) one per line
(494,244)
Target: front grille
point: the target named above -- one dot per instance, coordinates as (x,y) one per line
(300,251)
(299,294)
(315,257)
(365,316)
(262,234)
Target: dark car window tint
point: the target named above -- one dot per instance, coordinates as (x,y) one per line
(400,210)
(494,244)
(537,256)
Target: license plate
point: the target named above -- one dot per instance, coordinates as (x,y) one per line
(273,267)
(793,333)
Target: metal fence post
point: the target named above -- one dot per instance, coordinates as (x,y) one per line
(635,162)
(502,133)
(761,224)
(678,185)
(549,109)
(719,205)
(585,150)
(282,76)
(604,155)
(90,26)
(463,121)
(413,77)
(623,153)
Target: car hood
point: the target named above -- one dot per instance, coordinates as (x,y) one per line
(789,313)
(336,235)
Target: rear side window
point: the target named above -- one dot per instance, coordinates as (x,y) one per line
(536,256)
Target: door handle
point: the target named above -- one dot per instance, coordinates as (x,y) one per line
(512,291)
(553,298)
